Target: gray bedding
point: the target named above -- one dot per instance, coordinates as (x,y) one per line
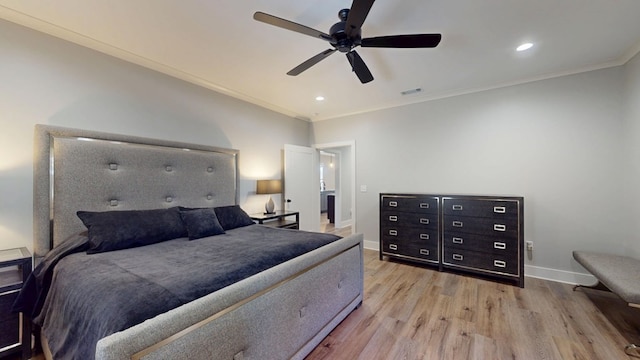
(95,295)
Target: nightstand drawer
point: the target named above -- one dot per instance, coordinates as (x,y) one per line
(494,209)
(10,331)
(418,204)
(418,220)
(6,302)
(9,322)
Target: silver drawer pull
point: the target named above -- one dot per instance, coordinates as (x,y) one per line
(499,263)
(499,245)
(499,209)
(393,232)
(457,207)
(424,236)
(393,203)
(457,257)
(424,205)
(393,246)
(457,240)
(499,227)
(424,252)
(393,218)
(424,221)
(457,223)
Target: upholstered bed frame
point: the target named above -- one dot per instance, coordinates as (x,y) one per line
(283,312)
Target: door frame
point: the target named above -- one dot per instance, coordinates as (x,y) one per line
(352,145)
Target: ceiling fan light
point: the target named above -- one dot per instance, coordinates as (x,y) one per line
(525,46)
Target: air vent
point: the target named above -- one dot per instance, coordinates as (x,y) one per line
(411,92)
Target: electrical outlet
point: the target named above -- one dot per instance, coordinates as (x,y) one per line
(529,245)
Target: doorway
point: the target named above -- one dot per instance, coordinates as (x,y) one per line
(337,187)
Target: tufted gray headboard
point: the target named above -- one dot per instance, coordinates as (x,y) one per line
(93,171)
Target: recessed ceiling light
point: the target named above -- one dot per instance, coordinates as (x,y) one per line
(319,98)
(525,46)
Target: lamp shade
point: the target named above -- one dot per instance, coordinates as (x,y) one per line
(269,187)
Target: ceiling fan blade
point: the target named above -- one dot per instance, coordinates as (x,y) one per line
(357,15)
(290,25)
(309,63)
(359,67)
(403,41)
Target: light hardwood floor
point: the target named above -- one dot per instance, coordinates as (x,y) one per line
(413,312)
(327,227)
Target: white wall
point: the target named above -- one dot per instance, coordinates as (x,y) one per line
(50,81)
(559,143)
(632,142)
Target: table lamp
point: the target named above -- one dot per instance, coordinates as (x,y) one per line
(269,187)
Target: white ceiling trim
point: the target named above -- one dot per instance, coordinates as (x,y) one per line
(88,42)
(480,89)
(131,57)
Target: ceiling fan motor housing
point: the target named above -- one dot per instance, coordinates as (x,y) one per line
(341,41)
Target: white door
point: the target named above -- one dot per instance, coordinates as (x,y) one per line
(302,185)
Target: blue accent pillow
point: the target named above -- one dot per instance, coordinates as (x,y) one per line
(117,230)
(201,222)
(232,217)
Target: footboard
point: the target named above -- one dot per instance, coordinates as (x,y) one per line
(281,313)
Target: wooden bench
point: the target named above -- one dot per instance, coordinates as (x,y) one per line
(618,274)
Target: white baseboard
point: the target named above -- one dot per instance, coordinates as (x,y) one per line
(371,245)
(538,272)
(343,223)
(568,277)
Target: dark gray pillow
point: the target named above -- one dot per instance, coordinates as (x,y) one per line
(231,217)
(116,230)
(201,222)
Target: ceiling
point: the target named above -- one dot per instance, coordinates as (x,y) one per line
(218,45)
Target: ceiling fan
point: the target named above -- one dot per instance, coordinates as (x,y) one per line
(345,36)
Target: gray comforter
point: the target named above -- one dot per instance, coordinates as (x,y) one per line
(92,296)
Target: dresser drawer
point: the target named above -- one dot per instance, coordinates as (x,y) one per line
(502,228)
(405,234)
(469,259)
(496,209)
(426,251)
(480,243)
(419,220)
(418,204)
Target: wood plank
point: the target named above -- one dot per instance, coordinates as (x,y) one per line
(416,312)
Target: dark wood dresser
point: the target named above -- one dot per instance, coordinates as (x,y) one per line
(409,227)
(484,235)
(476,234)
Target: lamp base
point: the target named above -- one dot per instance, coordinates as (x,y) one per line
(269,207)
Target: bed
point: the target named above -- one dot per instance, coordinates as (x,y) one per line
(267,309)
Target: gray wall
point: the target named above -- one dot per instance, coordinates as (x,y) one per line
(560,143)
(632,149)
(50,81)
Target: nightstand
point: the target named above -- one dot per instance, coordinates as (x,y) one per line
(281,219)
(15,329)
